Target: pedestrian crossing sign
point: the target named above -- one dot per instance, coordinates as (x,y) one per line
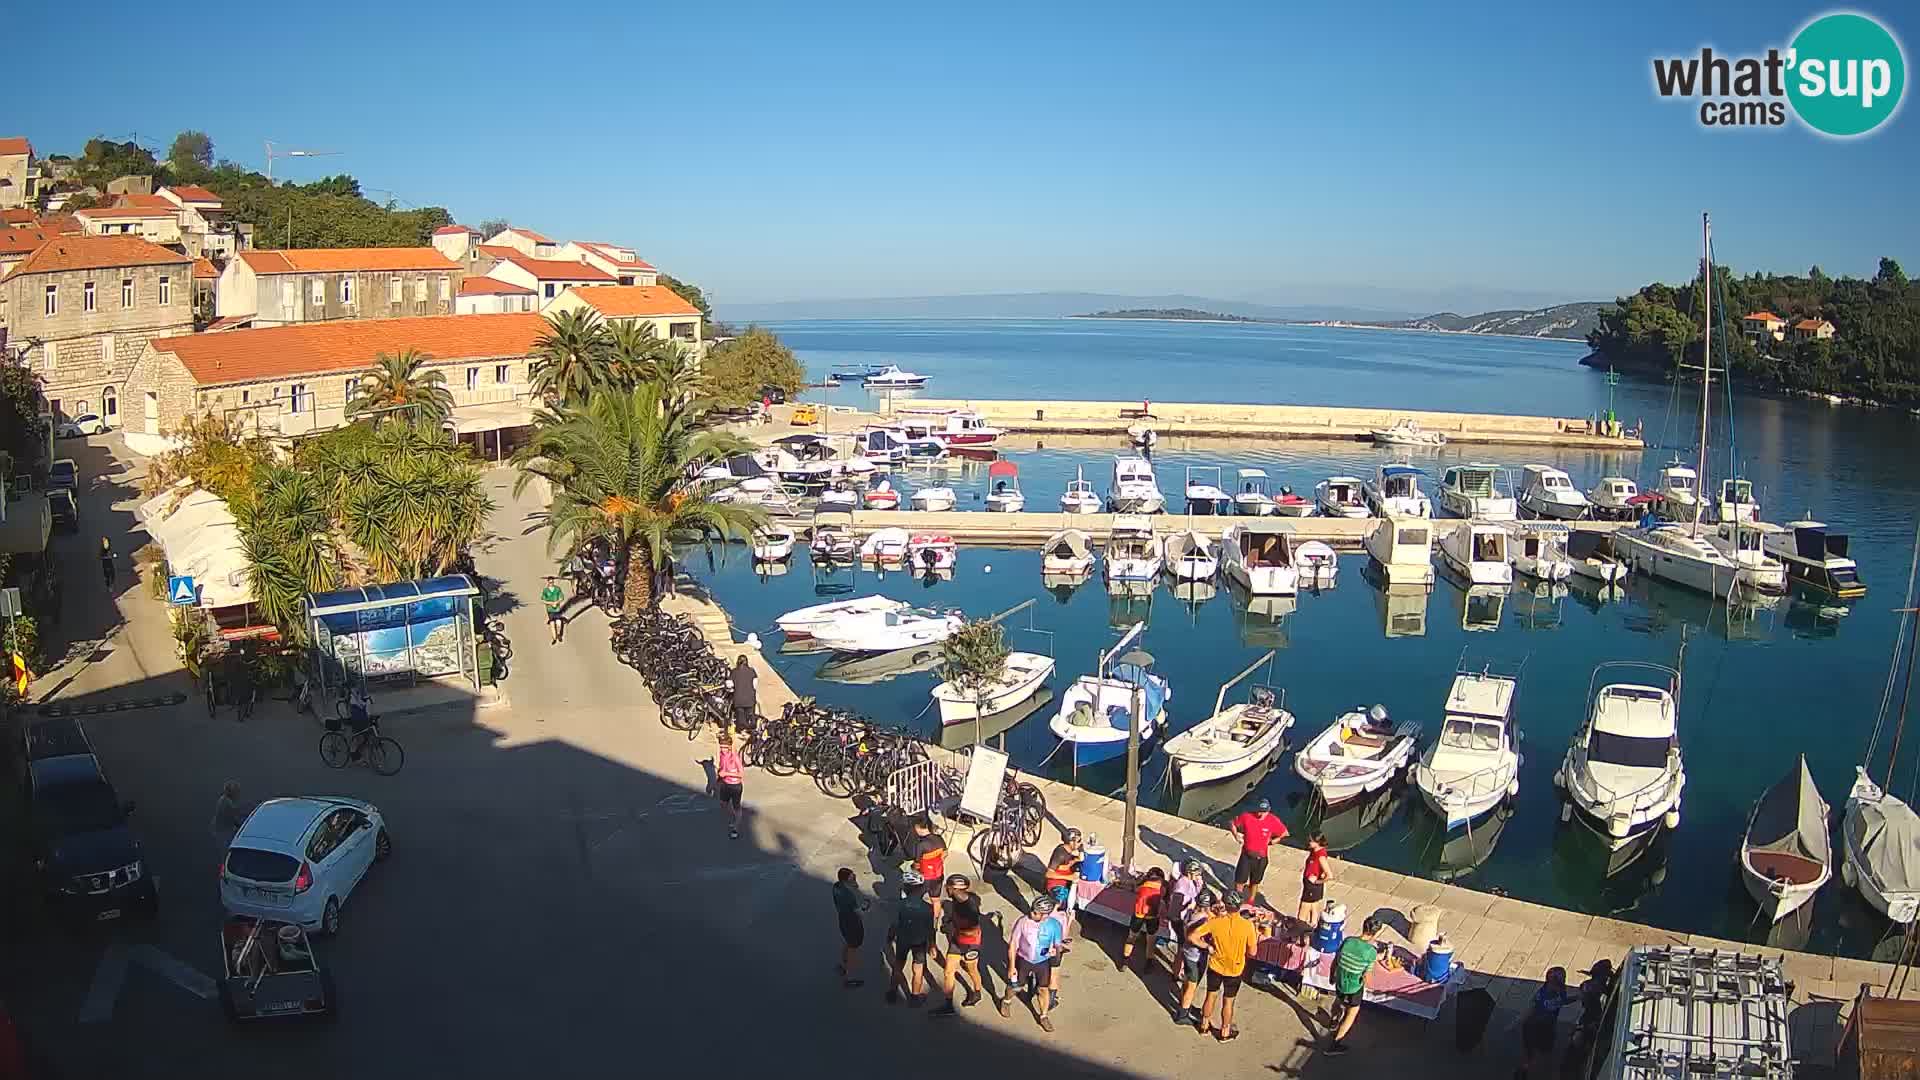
(180,591)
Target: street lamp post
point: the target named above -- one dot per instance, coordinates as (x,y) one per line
(1141,661)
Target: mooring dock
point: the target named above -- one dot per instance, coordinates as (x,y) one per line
(980,528)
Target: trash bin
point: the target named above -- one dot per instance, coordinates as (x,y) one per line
(485,662)
(1039,414)
(1472,1010)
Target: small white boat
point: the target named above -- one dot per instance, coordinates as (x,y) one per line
(800,623)
(1475,763)
(931,552)
(1402,548)
(1815,556)
(1591,556)
(1677,493)
(1318,564)
(1361,751)
(1477,551)
(1548,492)
(1142,436)
(937,497)
(1066,554)
(882,496)
(1473,491)
(1624,776)
(892,378)
(1252,499)
(884,445)
(859,466)
(840,497)
(1407,431)
(887,631)
(1097,711)
(1742,542)
(1736,502)
(1079,497)
(1003,482)
(1024,674)
(1395,491)
(1234,740)
(833,539)
(923,450)
(1203,491)
(1260,561)
(1786,855)
(1881,834)
(772,543)
(1672,553)
(1189,556)
(1133,552)
(1540,554)
(1339,496)
(1287,504)
(1616,498)
(885,547)
(1134,489)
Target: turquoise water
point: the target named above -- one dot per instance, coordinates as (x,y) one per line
(1762,685)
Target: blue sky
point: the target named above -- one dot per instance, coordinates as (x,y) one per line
(1422,153)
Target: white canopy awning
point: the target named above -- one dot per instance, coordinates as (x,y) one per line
(197,533)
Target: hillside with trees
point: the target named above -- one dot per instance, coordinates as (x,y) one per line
(1874,353)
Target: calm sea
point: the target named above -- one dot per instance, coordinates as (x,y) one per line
(1761,685)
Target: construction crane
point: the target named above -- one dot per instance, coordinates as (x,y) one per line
(272,153)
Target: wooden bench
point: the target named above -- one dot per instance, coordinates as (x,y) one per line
(1136,414)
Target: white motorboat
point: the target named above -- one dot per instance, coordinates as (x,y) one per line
(1474,765)
(1361,751)
(1066,554)
(1133,552)
(931,552)
(833,539)
(1097,711)
(1477,551)
(859,466)
(1317,563)
(1547,492)
(1189,556)
(1624,776)
(740,478)
(1234,740)
(954,427)
(1742,542)
(1203,491)
(1288,504)
(1473,491)
(936,497)
(1260,561)
(885,547)
(1080,497)
(1395,491)
(772,543)
(1252,499)
(1402,548)
(882,496)
(1142,436)
(1025,672)
(1340,496)
(840,497)
(1815,557)
(884,445)
(1674,554)
(1786,855)
(1736,502)
(1540,554)
(1591,556)
(1407,431)
(923,450)
(1677,493)
(1134,489)
(1615,498)
(800,623)
(887,631)
(1881,834)
(1003,488)
(892,378)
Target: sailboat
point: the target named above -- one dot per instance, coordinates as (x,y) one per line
(1879,832)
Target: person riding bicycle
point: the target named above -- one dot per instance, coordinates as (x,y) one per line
(359,716)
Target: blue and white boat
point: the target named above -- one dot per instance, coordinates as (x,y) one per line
(1096,710)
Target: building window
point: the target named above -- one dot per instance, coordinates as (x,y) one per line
(166,290)
(393,289)
(126,292)
(353,388)
(682,331)
(502,373)
(109,403)
(245,396)
(549,290)
(289,296)
(319,293)
(446,288)
(53,299)
(86,297)
(346,289)
(106,350)
(52,350)
(299,395)
(473,378)
(420,288)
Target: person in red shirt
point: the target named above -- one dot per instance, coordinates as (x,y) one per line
(1257,830)
(1313,881)
(929,853)
(1146,913)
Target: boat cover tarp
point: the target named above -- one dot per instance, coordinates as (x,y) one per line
(1400,470)
(1792,819)
(1153,693)
(1887,833)
(1071,544)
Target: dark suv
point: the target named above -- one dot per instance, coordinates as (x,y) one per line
(89,861)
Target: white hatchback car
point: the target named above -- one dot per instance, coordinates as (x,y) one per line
(84,424)
(297,860)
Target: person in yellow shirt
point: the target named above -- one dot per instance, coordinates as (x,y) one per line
(1233,940)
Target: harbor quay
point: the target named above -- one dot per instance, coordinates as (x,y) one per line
(1033,528)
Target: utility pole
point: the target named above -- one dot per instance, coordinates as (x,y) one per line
(1141,661)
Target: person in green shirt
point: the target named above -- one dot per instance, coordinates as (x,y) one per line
(1356,957)
(554,599)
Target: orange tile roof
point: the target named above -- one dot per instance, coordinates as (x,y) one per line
(61,223)
(1810,324)
(528,233)
(633,301)
(23,242)
(498,251)
(278,352)
(16,144)
(486,286)
(145,202)
(193,193)
(229,322)
(556,269)
(111,213)
(202,268)
(454,230)
(609,253)
(1764,316)
(338,260)
(18,216)
(95,253)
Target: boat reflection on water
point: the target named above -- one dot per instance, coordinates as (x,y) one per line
(831,579)
(1063,586)
(1745,921)
(1481,606)
(1448,855)
(1742,616)
(1129,602)
(1603,882)
(1811,616)
(1212,802)
(1403,608)
(993,725)
(867,668)
(1538,605)
(771,569)
(1193,593)
(1262,620)
(1593,595)
(1351,822)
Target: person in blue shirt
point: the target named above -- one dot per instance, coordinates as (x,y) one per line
(1537,1031)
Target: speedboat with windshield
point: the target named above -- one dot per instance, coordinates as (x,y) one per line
(1203,491)
(1473,491)
(1134,489)
(1549,493)
(891,377)
(1624,775)
(1363,750)
(1252,499)
(886,631)
(1814,556)
(800,623)
(1395,491)
(1475,763)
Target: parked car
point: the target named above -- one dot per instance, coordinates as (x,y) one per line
(66,514)
(63,474)
(773,394)
(297,860)
(89,861)
(84,424)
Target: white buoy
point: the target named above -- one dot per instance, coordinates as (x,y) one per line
(1672,819)
(986,569)
(1566,811)
(1513,788)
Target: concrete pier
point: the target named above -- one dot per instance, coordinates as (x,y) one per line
(977,527)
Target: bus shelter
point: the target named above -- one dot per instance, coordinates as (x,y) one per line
(393,636)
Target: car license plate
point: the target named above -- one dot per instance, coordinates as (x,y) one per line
(110,913)
(280,1007)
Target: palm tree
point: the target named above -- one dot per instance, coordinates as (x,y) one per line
(622,468)
(632,344)
(397,382)
(573,358)
(287,537)
(676,370)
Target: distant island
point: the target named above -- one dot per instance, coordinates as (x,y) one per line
(1569,321)
(1182,314)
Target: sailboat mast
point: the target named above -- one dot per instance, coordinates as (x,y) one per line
(1706,364)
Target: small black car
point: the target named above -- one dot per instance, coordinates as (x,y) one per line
(89,861)
(66,515)
(773,394)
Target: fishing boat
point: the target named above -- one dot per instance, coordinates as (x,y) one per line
(1252,499)
(1097,711)
(1362,750)
(1743,544)
(1477,551)
(1591,556)
(1677,493)
(1547,492)
(1133,553)
(1879,831)
(1616,498)
(1624,775)
(1203,491)
(840,497)
(931,552)
(1189,556)
(1025,673)
(1340,497)
(1786,855)
(1142,436)
(800,623)
(1473,491)
(1234,739)
(885,547)
(833,539)
(1067,553)
(884,445)
(1407,431)
(936,497)
(888,631)
(1317,563)
(1402,548)
(1815,557)
(1540,554)
(1288,504)
(956,427)
(1079,497)
(891,377)
(1134,489)
(1003,484)
(1260,561)
(1474,765)
(882,496)
(1395,491)
(772,543)
(1736,502)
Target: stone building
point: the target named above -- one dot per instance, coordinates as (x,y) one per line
(80,309)
(547,278)
(458,242)
(17,176)
(626,267)
(298,285)
(526,242)
(672,318)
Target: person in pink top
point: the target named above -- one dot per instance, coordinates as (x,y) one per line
(728,780)
(1257,830)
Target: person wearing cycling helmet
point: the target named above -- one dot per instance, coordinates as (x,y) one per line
(1063,870)
(1193,954)
(1034,946)
(911,936)
(1147,896)
(962,922)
